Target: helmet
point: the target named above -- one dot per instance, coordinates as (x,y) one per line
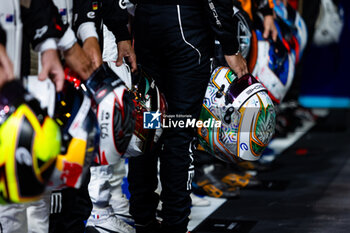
(244,29)
(246,113)
(147,98)
(123,72)
(273,66)
(115,114)
(300,33)
(285,34)
(244,34)
(80,135)
(29,144)
(280,9)
(291,28)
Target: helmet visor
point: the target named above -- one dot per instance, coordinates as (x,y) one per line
(103,79)
(238,86)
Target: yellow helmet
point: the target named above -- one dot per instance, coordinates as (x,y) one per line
(29,143)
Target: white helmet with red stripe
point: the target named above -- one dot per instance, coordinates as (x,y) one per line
(115,114)
(272,65)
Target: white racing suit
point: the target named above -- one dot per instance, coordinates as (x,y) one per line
(106,180)
(23,218)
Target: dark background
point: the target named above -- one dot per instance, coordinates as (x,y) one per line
(326,70)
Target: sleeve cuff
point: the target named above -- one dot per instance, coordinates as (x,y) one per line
(87,30)
(2,37)
(47,44)
(67,41)
(266,11)
(121,33)
(229,47)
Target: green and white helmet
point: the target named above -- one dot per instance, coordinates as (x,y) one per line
(246,113)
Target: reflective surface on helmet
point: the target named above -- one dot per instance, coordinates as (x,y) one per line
(115,113)
(30,142)
(147,97)
(244,34)
(247,127)
(238,86)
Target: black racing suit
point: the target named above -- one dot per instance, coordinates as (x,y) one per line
(115,18)
(2,36)
(174,42)
(41,13)
(41,21)
(69,209)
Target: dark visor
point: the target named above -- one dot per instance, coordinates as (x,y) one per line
(238,86)
(103,78)
(97,80)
